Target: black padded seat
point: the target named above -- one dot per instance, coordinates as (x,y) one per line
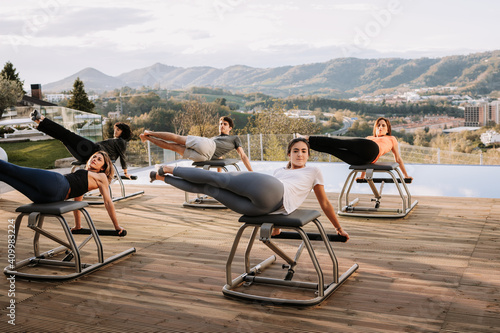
(297,219)
(216,162)
(376,166)
(54,208)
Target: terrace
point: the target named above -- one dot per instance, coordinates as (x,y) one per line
(435,270)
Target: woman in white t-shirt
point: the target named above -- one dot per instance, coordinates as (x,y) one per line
(253,193)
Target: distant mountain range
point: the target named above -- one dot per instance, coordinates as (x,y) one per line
(344,77)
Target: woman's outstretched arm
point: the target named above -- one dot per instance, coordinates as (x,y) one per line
(327,207)
(102,183)
(398,159)
(78,215)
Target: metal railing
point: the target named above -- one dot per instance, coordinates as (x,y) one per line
(272,147)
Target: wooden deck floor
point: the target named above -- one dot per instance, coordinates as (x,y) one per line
(437,270)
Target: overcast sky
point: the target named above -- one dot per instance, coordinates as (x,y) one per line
(48,40)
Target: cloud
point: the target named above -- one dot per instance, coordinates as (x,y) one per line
(195,34)
(86,21)
(116,36)
(58,27)
(353,7)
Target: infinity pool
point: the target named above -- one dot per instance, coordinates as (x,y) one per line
(481,181)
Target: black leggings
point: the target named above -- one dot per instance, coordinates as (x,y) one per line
(40,186)
(248,193)
(80,147)
(354,151)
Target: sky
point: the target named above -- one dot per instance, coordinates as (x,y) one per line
(49,40)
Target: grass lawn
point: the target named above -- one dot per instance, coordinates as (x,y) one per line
(37,154)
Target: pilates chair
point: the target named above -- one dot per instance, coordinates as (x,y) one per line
(68,254)
(351,208)
(245,285)
(94,197)
(204,201)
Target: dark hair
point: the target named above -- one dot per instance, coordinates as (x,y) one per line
(389,129)
(108,167)
(229,120)
(290,146)
(126,132)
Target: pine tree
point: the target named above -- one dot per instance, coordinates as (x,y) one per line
(11,87)
(9,73)
(79,99)
(10,94)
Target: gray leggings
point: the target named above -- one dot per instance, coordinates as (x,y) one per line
(248,193)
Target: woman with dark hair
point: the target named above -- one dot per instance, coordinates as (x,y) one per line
(253,193)
(43,186)
(359,151)
(82,148)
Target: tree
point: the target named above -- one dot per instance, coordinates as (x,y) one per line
(220,101)
(275,147)
(9,73)
(274,121)
(142,103)
(10,94)
(158,119)
(198,118)
(79,99)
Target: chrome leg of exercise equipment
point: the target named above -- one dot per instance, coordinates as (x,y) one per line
(354,208)
(242,286)
(68,254)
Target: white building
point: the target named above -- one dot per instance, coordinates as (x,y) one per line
(304,114)
(53,98)
(490,137)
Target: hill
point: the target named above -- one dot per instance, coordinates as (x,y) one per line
(344,77)
(92,79)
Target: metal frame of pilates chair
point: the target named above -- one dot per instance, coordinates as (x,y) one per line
(97,199)
(68,249)
(294,221)
(351,208)
(204,201)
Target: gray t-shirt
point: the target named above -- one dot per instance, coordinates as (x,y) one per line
(225,143)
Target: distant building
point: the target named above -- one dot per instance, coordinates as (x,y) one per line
(490,137)
(494,111)
(304,114)
(54,98)
(481,113)
(114,114)
(430,122)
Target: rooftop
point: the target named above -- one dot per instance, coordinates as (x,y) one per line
(435,270)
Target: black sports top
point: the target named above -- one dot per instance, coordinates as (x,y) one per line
(115,148)
(78,183)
